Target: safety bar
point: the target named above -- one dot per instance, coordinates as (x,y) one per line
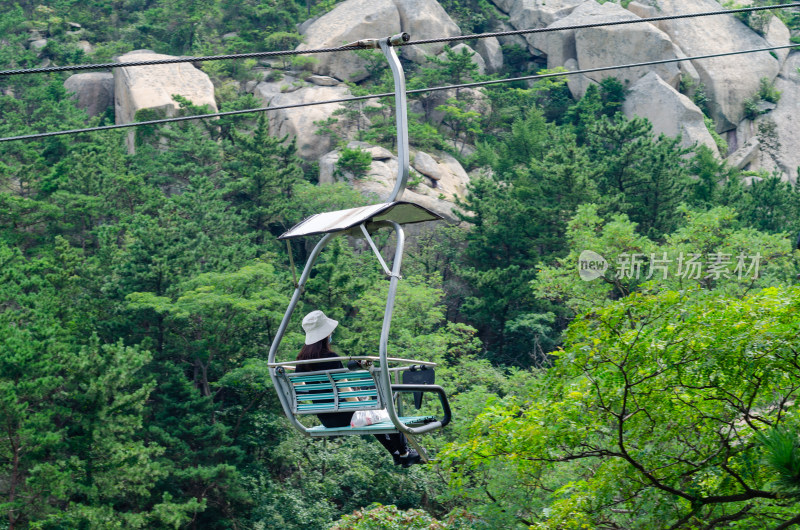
(351,358)
(442,399)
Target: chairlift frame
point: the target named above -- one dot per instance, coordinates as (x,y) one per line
(360,223)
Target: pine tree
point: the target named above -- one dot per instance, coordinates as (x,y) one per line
(263,172)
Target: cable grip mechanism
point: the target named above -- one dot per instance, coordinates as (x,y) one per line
(394,40)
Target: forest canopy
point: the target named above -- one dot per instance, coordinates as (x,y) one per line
(140,292)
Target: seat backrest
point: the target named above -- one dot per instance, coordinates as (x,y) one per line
(328,391)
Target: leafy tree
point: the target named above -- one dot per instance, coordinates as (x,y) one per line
(709,251)
(770,204)
(455,67)
(658,413)
(377,516)
(462,121)
(518,218)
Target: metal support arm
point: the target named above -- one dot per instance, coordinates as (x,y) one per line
(401,117)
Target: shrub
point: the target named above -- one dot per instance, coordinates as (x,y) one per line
(354,161)
(751,111)
(722,145)
(767,91)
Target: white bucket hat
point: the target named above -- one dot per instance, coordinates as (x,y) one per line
(317,326)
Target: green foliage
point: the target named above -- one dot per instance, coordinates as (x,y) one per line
(722,145)
(463,122)
(281,40)
(751,111)
(767,90)
(455,67)
(139,294)
(73,410)
(262,174)
(473,16)
(782,453)
(710,236)
(770,204)
(639,386)
(379,517)
(355,162)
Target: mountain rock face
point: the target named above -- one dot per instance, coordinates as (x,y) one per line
(775,132)
(424,19)
(348,22)
(492,54)
(654,91)
(768,142)
(299,122)
(365,19)
(608,46)
(670,112)
(152,87)
(441,177)
(94,91)
(728,80)
(524,14)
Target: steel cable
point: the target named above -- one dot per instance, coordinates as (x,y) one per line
(283,53)
(387,94)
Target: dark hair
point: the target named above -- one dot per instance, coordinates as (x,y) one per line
(317,350)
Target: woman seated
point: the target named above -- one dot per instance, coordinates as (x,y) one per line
(318,330)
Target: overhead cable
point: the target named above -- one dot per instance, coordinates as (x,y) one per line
(355,46)
(387,94)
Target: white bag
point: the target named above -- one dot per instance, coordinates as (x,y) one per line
(368,417)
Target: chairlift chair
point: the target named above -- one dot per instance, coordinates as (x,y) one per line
(368,378)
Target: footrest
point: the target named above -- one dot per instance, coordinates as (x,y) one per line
(384,427)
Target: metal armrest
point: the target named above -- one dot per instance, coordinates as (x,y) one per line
(429,388)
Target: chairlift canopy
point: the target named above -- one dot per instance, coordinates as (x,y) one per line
(401,212)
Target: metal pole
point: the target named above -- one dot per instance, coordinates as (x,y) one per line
(386,382)
(401,117)
(285,323)
(384,377)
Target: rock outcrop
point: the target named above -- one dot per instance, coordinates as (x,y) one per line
(776,131)
(435,193)
(777,34)
(670,112)
(152,87)
(728,80)
(348,22)
(299,123)
(424,19)
(86,47)
(608,46)
(745,155)
(492,54)
(94,91)
(354,20)
(37,45)
(444,174)
(525,14)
